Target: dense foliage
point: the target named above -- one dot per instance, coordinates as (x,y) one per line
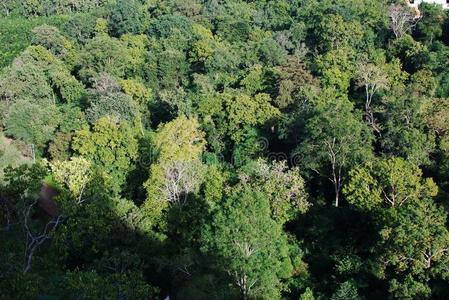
(205,149)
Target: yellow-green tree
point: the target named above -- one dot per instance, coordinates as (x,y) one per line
(110,146)
(411,247)
(73,174)
(177,169)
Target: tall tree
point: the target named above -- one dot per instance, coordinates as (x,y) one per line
(249,245)
(402,19)
(412,244)
(373,79)
(336,140)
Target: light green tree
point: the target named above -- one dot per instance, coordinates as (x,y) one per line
(32,123)
(244,110)
(74,174)
(110,146)
(283,187)
(177,169)
(387,183)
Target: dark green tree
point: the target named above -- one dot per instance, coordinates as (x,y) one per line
(249,245)
(336,139)
(127,17)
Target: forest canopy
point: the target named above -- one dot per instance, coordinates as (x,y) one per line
(224,149)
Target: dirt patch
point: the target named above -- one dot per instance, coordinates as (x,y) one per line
(46,202)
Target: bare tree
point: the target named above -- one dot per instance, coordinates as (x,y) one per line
(34,240)
(181,178)
(105,84)
(373,79)
(402,19)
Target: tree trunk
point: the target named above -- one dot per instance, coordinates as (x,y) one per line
(337,193)
(336,174)
(336,180)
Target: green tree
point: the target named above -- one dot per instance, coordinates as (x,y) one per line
(32,123)
(307,295)
(375,77)
(10,155)
(24,81)
(8,6)
(107,100)
(110,146)
(80,27)
(413,54)
(334,32)
(295,82)
(59,148)
(346,291)
(127,17)
(73,174)
(50,38)
(103,54)
(177,169)
(205,43)
(283,187)
(337,68)
(91,284)
(387,183)
(336,140)
(138,54)
(405,129)
(243,110)
(430,27)
(23,235)
(38,75)
(249,245)
(412,235)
